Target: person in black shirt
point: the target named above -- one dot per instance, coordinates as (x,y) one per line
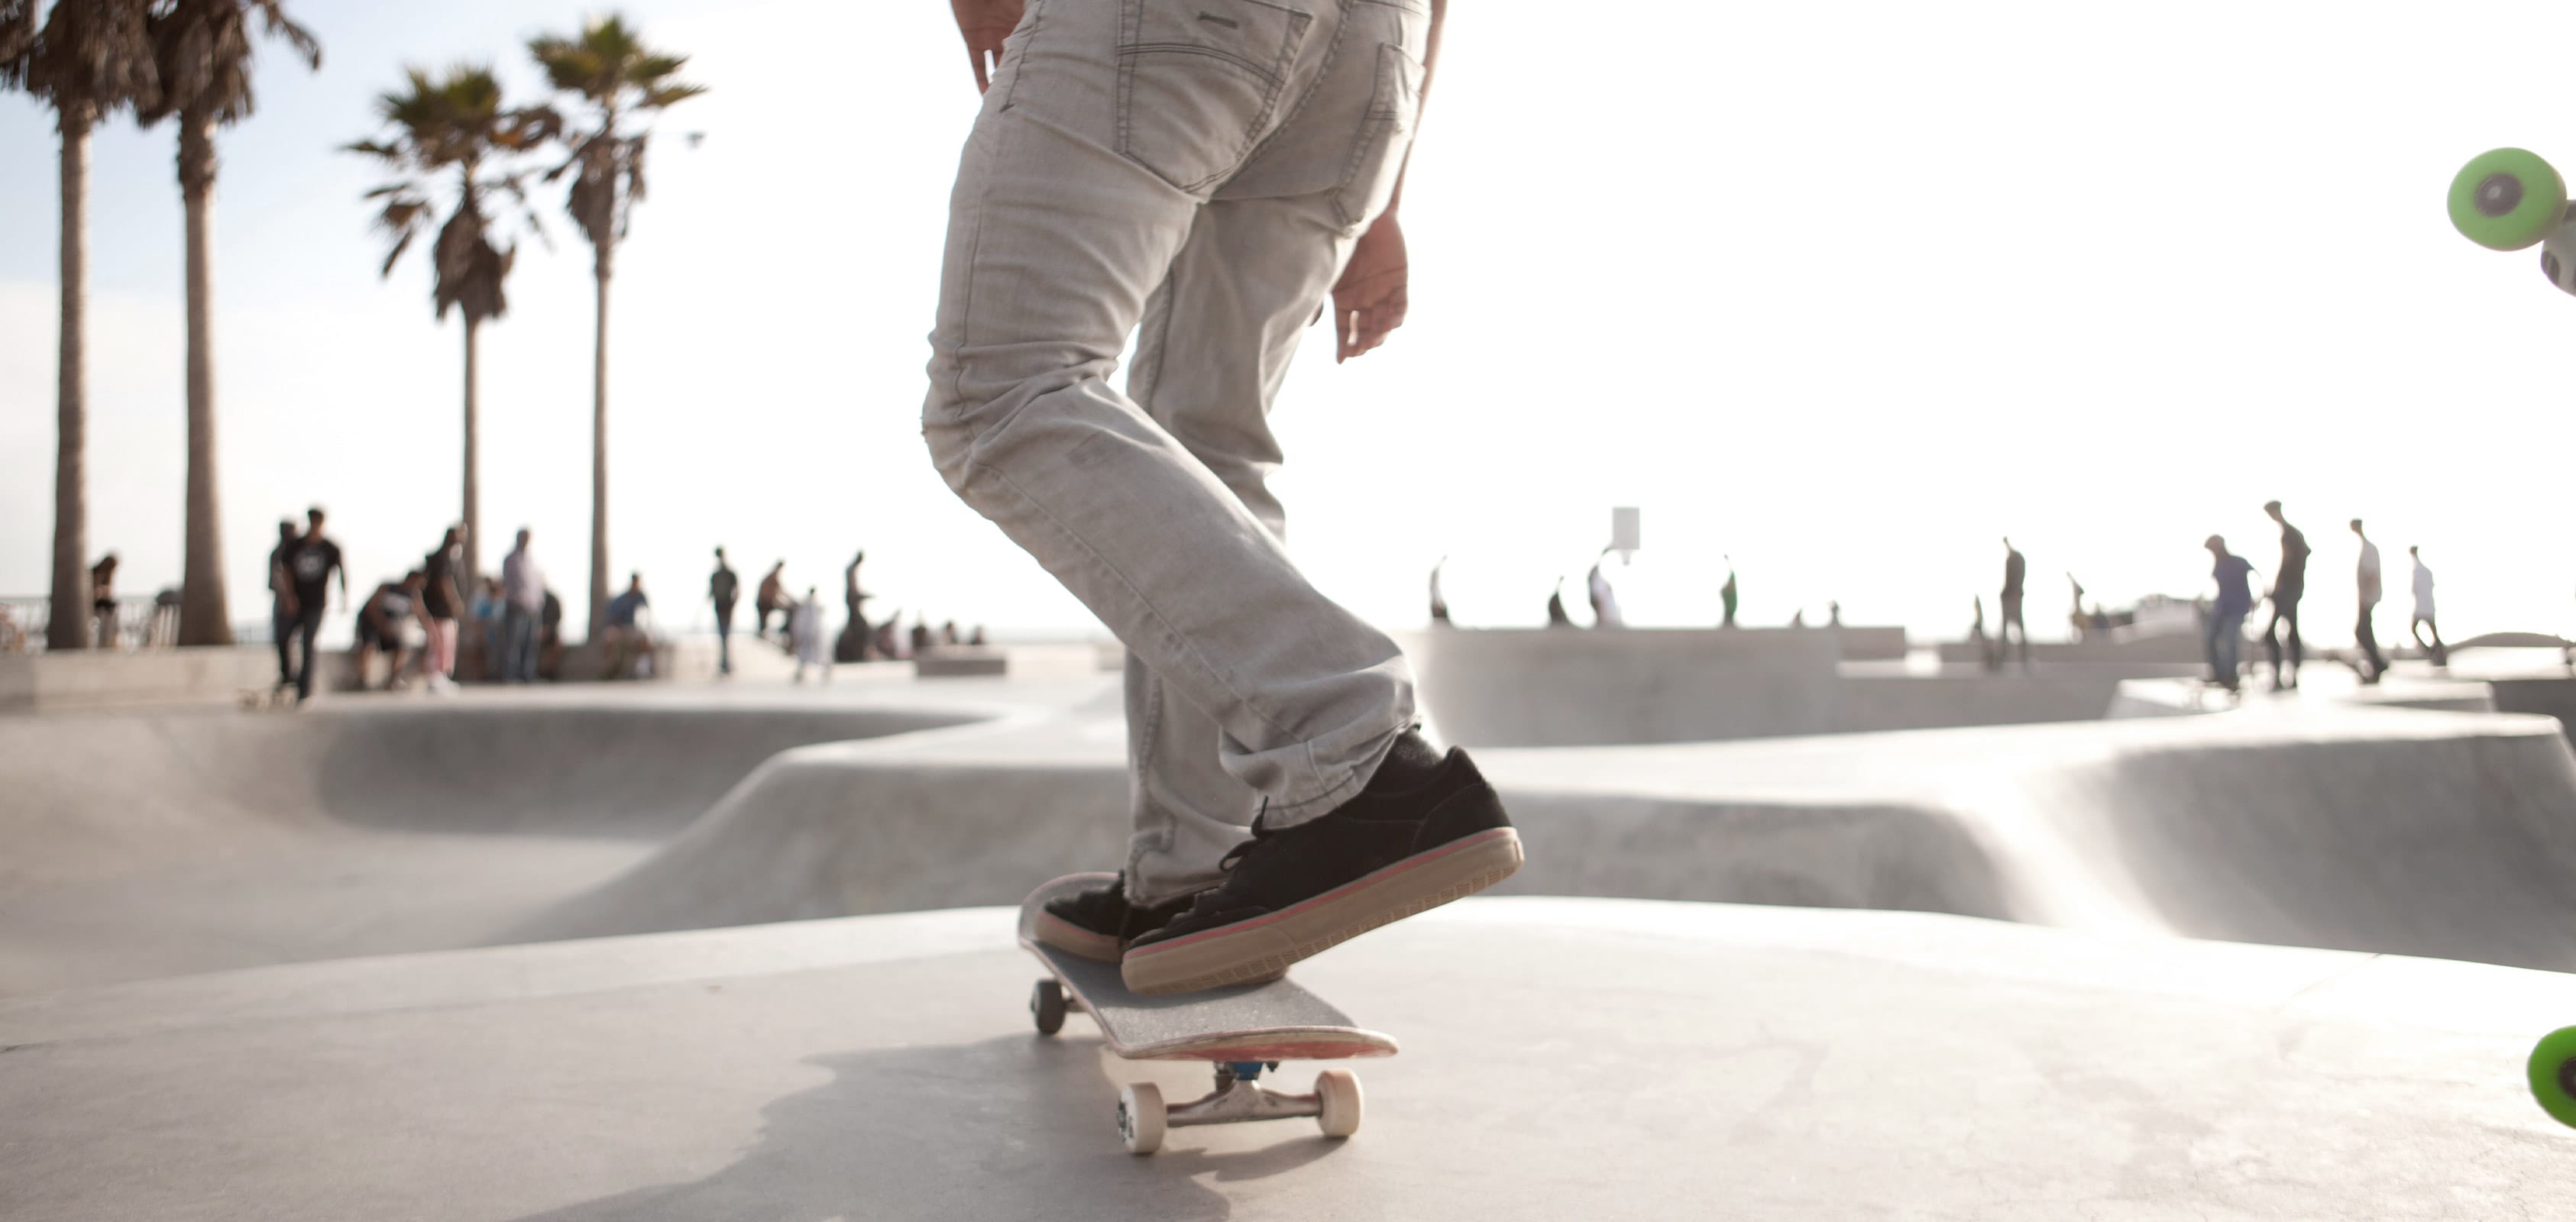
(440,603)
(2288,585)
(852,644)
(311,564)
(281,608)
(724,588)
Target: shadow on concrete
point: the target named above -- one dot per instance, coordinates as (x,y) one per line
(1014,1127)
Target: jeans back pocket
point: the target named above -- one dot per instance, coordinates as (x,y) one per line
(1385,133)
(1198,81)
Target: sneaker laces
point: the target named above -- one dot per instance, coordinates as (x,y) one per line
(1259,834)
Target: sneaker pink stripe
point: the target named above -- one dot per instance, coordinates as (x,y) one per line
(1384,872)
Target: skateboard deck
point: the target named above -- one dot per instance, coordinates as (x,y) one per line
(1241,1029)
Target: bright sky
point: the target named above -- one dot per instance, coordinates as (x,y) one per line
(1846,292)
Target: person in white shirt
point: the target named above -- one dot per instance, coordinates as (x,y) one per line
(1605,602)
(805,634)
(523,598)
(2367,574)
(2423,619)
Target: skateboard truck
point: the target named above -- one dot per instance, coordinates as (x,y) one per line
(1239,1097)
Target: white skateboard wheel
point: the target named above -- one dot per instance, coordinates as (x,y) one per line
(1140,1117)
(1046,1003)
(1337,1091)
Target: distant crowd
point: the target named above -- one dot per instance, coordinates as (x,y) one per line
(517,619)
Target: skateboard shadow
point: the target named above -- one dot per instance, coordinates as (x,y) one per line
(1012,1127)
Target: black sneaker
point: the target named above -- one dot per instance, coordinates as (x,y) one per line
(1426,830)
(1099,923)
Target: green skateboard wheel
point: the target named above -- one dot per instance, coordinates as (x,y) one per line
(2553,1075)
(2507,199)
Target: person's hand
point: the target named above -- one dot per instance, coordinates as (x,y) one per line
(985,23)
(1369,301)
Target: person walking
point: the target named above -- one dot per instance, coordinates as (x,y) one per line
(2010,623)
(2289,583)
(440,603)
(2226,629)
(523,599)
(313,563)
(2366,580)
(805,635)
(281,601)
(2422,621)
(772,596)
(722,589)
(1205,180)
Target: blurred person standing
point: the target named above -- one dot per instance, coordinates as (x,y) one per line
(488,606)
(2226,628)
(621,637)
(523,598)
(313,563)
(723,588)
(1726,594)
(805,635)
(1605,601)
(2422,621)
(2367,586)
(852,644)
(2010,622)
(2289,584)
(440,603)
(102,601)
(1439,605)
(772,596)
(281,601)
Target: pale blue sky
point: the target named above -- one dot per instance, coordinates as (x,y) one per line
(1846,291)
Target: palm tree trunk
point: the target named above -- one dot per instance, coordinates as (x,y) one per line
(599,461)
(473,574)
(67,620)
(202,615)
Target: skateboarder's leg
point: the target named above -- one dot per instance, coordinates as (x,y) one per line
(1216,340)
(1057,236)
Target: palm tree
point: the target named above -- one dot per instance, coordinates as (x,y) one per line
(618,85)
(87,59)
(455,124)
(203,48)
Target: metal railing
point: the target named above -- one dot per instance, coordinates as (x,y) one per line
(137,622)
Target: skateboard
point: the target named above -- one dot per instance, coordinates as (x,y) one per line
(2553,1075)
(1241,1030)
(259,698)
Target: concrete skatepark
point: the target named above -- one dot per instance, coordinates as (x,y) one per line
(690,951)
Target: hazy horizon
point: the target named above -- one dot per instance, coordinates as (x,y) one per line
(1846,299)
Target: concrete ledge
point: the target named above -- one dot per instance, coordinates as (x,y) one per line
(1014,661)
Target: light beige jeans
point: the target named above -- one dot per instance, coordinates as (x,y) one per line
(1198,169)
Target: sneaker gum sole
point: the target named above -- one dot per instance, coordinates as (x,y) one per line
(1073,939)
(1264,946)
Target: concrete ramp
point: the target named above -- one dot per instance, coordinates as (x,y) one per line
(2318,825)
(147,843)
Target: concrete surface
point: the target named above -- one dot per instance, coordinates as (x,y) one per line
(1576,688)
(1562,1059)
